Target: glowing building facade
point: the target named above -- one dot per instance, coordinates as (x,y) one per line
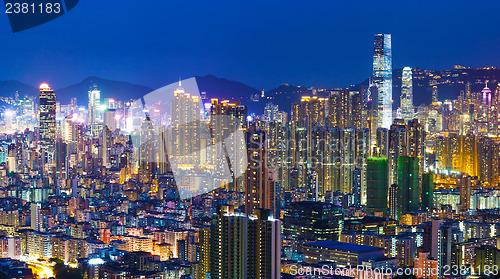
(407,110)
(47,118)
(382,78)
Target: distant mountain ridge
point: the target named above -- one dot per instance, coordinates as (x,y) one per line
(9,87)
(450,83)
(109,89)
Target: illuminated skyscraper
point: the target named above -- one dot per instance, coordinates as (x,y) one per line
(338,109)
(407,110)
(225,118)
(382,78)
(47,119)
(484,118)
(434,93)
(185,113)
(260,180)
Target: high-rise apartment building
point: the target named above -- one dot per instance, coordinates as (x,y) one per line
(245,246)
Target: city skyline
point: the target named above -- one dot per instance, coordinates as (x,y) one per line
(199,177)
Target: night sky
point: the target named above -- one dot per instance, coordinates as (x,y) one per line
(260,43)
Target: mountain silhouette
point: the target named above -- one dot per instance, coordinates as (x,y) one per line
(119,90)
(8,88)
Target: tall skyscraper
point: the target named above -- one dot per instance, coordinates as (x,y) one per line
(484,118)
(94,109)
(47,120)
(186,129)
(339,109)
(260,180)
(407,109)
(382,78)
(225,118)
(434,93)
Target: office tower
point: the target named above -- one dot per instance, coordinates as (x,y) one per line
(271,112)
(377,182)
(434,93)
(94,110)
(407,178)
(486,102)
(407,109)
(260,180)
(427,191)
(465,191)
(47,120)
(185,114)
(382,78)
(309,220)
(36,217)
(244,246)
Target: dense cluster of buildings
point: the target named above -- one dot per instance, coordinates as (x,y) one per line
(178,186)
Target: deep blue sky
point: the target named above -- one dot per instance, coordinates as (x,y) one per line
(260,43)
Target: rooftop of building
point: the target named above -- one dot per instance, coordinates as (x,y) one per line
(344,246)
